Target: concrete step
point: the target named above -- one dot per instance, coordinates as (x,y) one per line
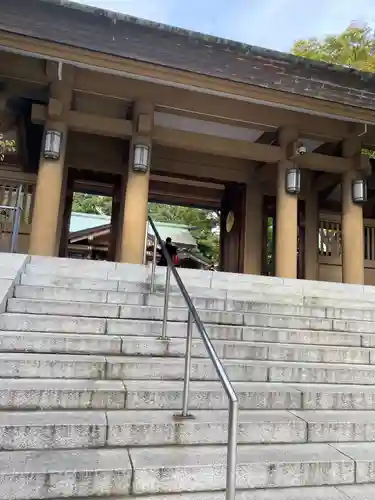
(68,366)
(48,280)
(26,475)
(40,365)
(60,293)
(52,430)
(234,300)
(227,318)
(150,368)
(59,343)
(356,492)
(151,346)
(336,426)
(63,308)
(236,333)
(162,427)
(88,429)
(307,337)
(161,394)
(254,320)
(240,370)
(95,429)
(267,305)
(54,394)
(318,373)
(259,466)
(336,397)
(30,365)
(47,323)
(364,456)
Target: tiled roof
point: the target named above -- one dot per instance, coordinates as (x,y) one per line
(98,30)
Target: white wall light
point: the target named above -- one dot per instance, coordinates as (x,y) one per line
(141,158)
(52,144)
(359,191)
(293,180)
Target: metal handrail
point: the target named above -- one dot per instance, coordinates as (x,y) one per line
(193,316)
(17,218)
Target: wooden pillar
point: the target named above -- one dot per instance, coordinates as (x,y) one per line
(45,223)
(67,203)
(311,230)
(286,215)
(136,196)
(353,265)
(253,228)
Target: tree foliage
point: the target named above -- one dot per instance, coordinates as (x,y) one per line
(92,204)
(7,146)
(355,48)
(204,225)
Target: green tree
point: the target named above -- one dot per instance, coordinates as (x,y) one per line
(355,47)
(92,204)
(204,225)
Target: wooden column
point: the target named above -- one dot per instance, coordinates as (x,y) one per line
(311,230)
(66,205)
(253,228)
(286,214)
(43,238)
(136,196)
(353,265)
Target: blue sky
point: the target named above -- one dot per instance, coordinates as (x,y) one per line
(274,24)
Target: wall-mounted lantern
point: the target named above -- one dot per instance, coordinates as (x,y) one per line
(141,158)
(359,191)
(52,144)
(293,180)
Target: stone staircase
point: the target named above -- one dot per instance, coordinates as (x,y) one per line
(88,391)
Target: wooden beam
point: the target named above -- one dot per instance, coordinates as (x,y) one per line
(325,163)
(32,70)
(205,106)
(269,137)
(88,123)
(325,181)
(190,141)
(216,145)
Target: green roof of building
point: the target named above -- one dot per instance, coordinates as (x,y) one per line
(179,233)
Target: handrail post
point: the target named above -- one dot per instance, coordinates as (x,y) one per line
(153,268)
(166,300)
(15,229)
(230,493)
(16,219)
(185,400)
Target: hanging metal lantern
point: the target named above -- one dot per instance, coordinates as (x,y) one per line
(359,191)
(52,144)
(141,158)
(293,180)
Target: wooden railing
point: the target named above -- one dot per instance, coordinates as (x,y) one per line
(330,240)
(11,179)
